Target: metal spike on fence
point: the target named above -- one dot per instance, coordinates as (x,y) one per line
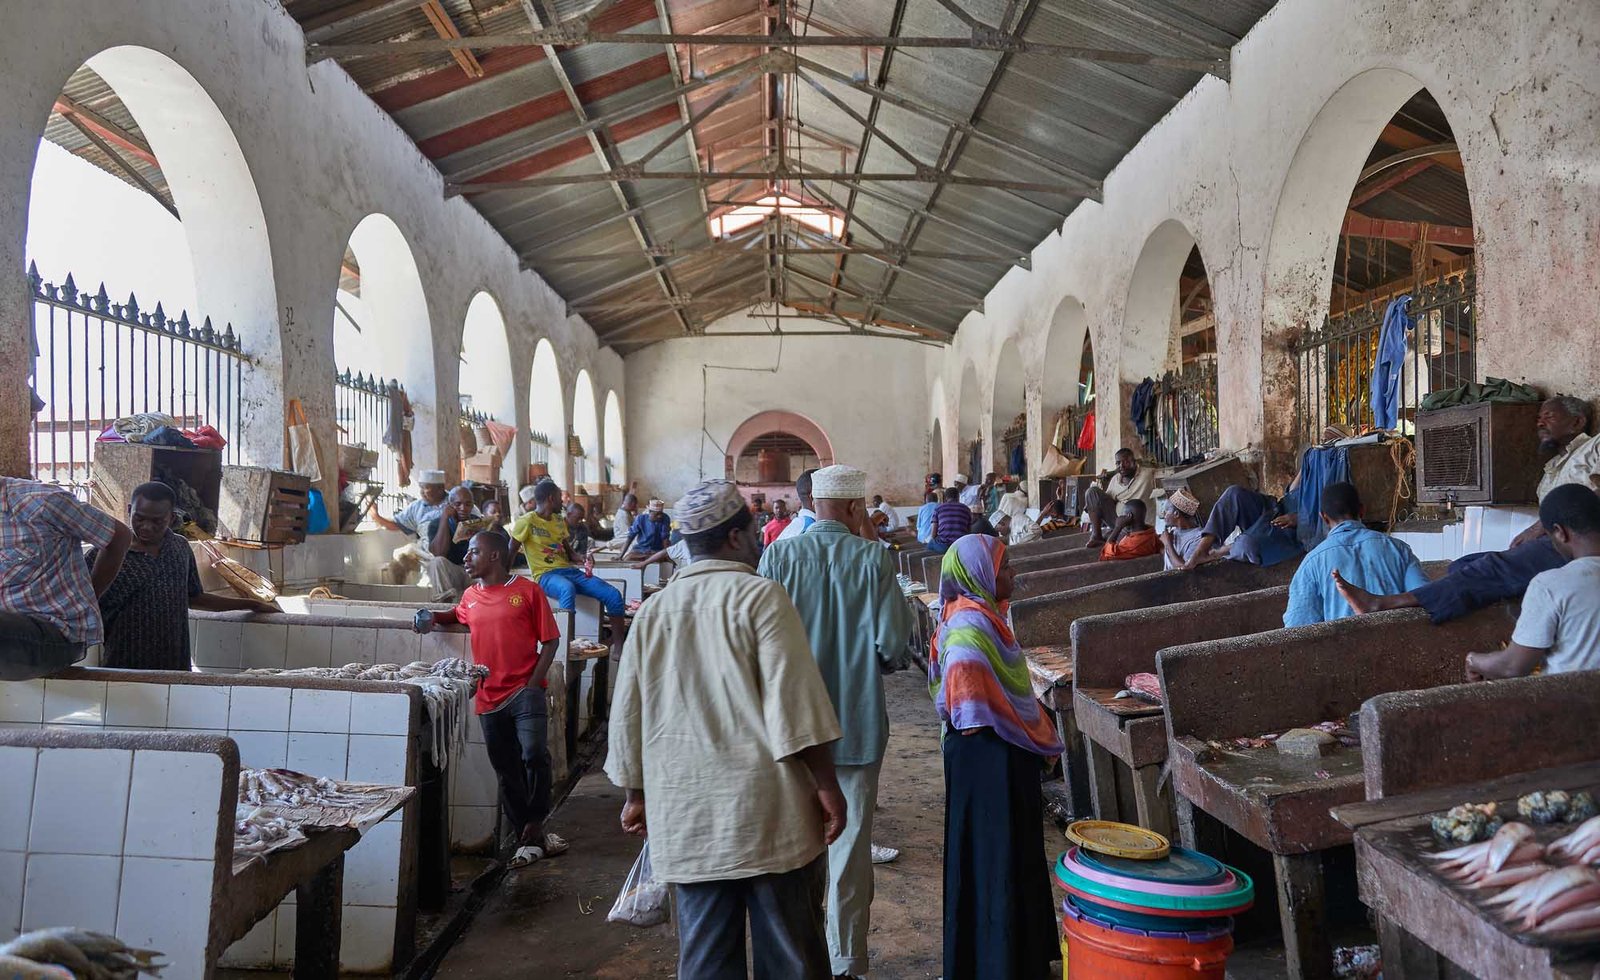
(207,333)
(229,340)
(33,277)
(181,327)
(102,300)
(130,309)
(69,289)
(159,320)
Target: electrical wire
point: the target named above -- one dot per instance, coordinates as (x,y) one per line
(705,397)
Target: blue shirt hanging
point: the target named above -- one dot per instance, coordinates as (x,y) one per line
(1390,362)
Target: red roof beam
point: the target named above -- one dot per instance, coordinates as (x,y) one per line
(579,148)
(1361,226)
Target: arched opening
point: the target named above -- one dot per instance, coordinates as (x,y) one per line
(1067,392)
(769,450)
(548,417)
(1169,351)
(383,356)
(616,449)
(586,428)
(148,251)
(488,393)
(1336,261)
(936,449)
(1008,415)
(969,427)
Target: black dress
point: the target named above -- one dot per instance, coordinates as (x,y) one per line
(146,609)
(999,918)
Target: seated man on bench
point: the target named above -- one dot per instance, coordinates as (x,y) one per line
(1133,538)
(1481,579)
(1265,525)
(1351,552)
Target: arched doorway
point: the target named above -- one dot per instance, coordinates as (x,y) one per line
(936,449)
(1169,350)
(969,427)
(1008,423)
(1067,389)
(1375,206)
(485,383)
(383,348)
(547,415)
(769,450)
(616,448)
(586,427)
(170,305)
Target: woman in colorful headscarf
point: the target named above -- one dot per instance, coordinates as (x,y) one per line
(999,919)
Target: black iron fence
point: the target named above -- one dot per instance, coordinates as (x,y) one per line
(99,361)
(1334,363)
(1179,420)
(366,412)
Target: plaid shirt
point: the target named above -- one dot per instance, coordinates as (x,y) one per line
(42,572)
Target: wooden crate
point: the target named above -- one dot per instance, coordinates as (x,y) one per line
(119,467)
(264,506)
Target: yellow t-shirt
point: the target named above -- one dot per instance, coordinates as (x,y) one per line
(542,540)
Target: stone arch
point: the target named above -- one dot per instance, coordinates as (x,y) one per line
(485,376)
(224,229)
(1067,381)
(1304,241)
(777,420)
(968,422)
(395,337)
(547,413)
(616,447)
(586,426)
(1007,399)
(936,448)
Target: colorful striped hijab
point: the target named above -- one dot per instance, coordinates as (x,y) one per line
(976,671)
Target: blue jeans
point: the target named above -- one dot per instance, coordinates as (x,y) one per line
(516,737)
(1478,580)
(32,648)
(564,585)
(786,926)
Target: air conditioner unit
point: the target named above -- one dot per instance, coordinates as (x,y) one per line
(1486,453)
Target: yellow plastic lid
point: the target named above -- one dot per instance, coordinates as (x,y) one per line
(1119,840)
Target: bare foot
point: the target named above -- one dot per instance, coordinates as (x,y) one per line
(1363,601)
(1095,542)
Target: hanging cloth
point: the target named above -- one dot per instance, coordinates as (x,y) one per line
(1086,437)
(1390,362)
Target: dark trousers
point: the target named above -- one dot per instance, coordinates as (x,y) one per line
(1477,580)
(32,648)
(787,924)
(515,735)
(1102,510)
(1251,513)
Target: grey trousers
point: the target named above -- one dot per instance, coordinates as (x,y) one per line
(786,926)
(447,579)
(32,648)
(850,882)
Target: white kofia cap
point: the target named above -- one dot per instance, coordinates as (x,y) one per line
(960,478)
(435,477)
(838,482)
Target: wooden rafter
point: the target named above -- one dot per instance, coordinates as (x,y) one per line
(87,119)
(446,28)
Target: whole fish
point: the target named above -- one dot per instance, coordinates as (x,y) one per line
(88,955)
(1583,919)
(1528,897)
(1583,839)
(1505,841)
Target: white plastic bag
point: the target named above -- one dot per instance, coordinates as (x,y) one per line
(643,901)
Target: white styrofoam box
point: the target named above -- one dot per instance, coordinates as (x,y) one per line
(200,706)
(263,644)
(586,615)
(379,714)
(72,890)
(353,645)
(166,905)
(308,646)
(319,711)
(74,702)
(259,709)
(372,867)
(135,704)
(319,754)
(217,643)
(253,951)
(262,750)
(377,759)
(80,801)
(22,701)
(297,605)
(366,943)
(16,795)
(172,807)
(474,782)
(13,865)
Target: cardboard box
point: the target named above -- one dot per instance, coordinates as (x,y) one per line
(482,467)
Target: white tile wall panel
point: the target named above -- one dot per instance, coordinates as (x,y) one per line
(62,822)
(173,806)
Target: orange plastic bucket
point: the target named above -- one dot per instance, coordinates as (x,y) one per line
(1094,952)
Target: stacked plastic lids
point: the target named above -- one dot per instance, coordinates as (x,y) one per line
(1131,879)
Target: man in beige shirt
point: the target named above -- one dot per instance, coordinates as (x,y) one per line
(720,728)
(1103,503)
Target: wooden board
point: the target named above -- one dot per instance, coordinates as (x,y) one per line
(1129,707)
(1050,665)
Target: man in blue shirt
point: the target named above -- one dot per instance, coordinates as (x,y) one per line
(1351,552)
(930,503)
(649,533)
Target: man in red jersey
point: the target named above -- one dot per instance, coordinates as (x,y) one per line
(514,635)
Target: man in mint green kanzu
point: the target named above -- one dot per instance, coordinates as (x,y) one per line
(857,621)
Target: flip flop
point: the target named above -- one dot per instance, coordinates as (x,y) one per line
(554,845)
(524,856)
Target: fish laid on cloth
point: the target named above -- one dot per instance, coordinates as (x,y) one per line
(1146,686)
(76,952)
